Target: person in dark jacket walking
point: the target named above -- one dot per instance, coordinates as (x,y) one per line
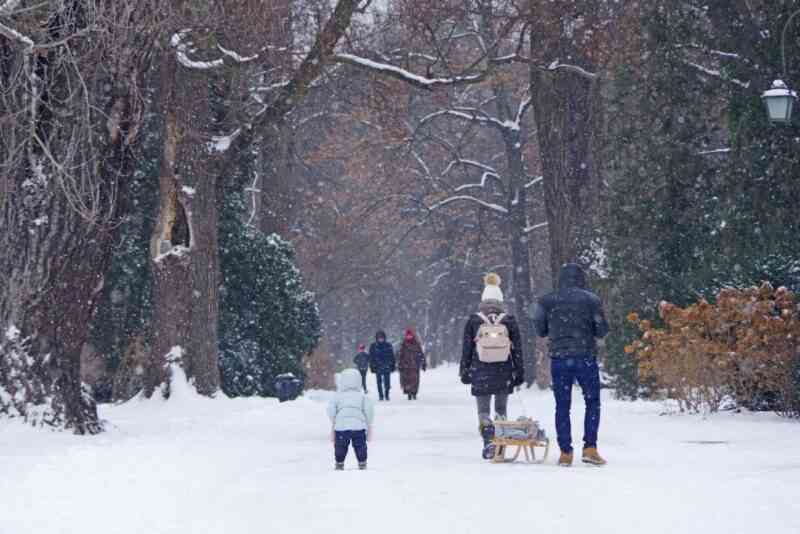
(491,378)
(573,319)
(382,363)
(361,361)
(410,359)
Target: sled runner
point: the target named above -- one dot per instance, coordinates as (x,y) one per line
(525,434)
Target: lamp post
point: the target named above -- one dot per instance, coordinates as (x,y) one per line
(779,99)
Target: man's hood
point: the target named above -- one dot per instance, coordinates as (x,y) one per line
(571,275)
(380,334)
(349,380)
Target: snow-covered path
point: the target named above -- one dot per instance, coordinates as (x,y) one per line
(253,466)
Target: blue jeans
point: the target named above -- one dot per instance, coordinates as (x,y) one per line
(342,445)
(566,371)
(384,384)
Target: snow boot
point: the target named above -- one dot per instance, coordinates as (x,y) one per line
(362,466)
(591,456)
(339,466)
(487,433)
(410,396)
(565,460)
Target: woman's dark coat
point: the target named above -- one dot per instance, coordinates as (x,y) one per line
(491,378)
(410,359)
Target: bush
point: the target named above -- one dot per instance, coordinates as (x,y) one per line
(268,321)
(743,347)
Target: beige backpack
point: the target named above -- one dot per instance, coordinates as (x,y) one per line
(493,342)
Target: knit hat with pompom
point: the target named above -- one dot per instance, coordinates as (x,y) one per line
(492,291)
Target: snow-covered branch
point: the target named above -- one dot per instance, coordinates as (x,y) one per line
(236,57)
(422,164)
(406,75)
(533,182)
(714,152)
(471,115)
(712,52)
(481,185)
(466,198)
(557,65)
(534,227)
(221,143)
(14,35)
(469,163)
(717,74)
(182,49)
(523,108)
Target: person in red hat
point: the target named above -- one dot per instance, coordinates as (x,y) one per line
(361,362)
(410,359)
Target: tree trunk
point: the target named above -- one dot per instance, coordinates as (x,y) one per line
(565,108)
(54,273)
(565,121)
(273,193)
(184,248)
(66,168)
(520,255)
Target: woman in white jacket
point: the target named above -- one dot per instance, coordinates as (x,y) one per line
(351,414)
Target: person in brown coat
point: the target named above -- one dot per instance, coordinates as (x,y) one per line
(410,359)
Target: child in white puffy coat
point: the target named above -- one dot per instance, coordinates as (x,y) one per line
(351,414)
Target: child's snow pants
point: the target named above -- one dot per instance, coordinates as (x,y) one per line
(342,444)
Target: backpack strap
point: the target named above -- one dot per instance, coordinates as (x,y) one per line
(486,319)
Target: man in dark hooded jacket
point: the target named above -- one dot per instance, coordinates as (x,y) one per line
(382,363)
(572,318)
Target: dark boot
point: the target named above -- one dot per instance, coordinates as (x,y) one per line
(339,466)
(487,433)
(362,466)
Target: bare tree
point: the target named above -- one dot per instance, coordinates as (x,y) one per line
(71,75)
(224,90)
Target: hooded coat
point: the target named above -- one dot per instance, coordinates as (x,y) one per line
(571,317)
(410,359)
(491,378)
(381,355)
(350,409)
(361,361)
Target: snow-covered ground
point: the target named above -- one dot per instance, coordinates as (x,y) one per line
(253,466)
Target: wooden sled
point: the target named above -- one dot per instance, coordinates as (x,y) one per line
(527,446)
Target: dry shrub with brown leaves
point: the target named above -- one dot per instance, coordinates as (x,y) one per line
(745,346)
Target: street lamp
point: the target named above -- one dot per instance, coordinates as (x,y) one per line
(779,100)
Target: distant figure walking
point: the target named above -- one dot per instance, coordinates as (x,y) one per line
(410,359)
(382,363)
(351,414)
(573,319)
(491,359)
(361,361)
